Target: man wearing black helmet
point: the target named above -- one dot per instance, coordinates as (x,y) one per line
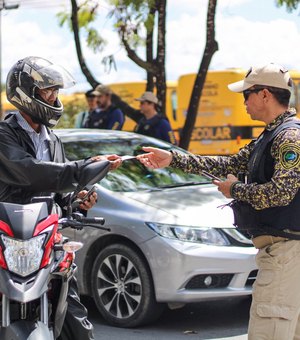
(32,159)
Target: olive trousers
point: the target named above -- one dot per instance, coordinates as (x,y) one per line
(275,308)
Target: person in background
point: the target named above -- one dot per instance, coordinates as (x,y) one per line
(32,157)
(266,204)
(153,124)
(108,116)
(92,102)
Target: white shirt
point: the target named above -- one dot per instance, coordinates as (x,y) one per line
(40,140)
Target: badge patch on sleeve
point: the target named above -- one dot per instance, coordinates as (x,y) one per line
(289,156)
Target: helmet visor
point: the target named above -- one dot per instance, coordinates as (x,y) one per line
(51,76)
(46,74)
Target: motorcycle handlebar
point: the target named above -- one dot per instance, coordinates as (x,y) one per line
(80,221)
(96,220)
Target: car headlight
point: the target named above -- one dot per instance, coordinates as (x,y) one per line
(23,257)
(203,235)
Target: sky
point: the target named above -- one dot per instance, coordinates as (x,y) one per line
(248,32)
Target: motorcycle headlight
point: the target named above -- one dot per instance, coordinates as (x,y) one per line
(211,236)
(23,257)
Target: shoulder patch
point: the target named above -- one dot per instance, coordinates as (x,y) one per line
(289,155)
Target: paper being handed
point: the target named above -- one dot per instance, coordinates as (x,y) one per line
(127,157)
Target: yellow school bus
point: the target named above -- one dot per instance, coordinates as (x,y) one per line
(222,125)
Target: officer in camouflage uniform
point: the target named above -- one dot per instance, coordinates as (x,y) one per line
(267,206)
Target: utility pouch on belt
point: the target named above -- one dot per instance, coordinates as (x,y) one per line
(245,216)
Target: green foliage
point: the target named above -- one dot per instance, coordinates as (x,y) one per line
(149,23)
(63,18)
(132,19)
(109,62)
(95,41)
(290,4)
(71,109)
(86,16)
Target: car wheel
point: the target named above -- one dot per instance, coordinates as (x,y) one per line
(122,287)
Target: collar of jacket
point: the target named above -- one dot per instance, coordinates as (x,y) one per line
(12,121)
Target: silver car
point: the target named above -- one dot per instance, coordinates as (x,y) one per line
(171,240)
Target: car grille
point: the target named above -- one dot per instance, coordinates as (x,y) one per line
(251,278)
(209,281)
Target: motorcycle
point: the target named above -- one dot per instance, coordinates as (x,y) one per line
(37,262)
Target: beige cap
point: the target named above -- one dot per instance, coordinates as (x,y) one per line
(269,75)
(149,97)
(102,89)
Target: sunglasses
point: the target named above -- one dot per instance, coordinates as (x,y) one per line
(247,93)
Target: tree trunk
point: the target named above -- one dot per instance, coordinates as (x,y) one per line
(161,55)
(210,48)
(75,27)
(126,109)
(149,56)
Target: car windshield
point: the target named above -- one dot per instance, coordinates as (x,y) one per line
(132,175)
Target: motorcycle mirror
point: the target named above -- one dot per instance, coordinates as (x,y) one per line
(91,174)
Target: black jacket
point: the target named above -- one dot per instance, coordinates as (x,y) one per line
(22,176)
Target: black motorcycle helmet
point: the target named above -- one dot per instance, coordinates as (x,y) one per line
(25,77)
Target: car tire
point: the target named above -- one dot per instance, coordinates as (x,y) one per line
(122,287)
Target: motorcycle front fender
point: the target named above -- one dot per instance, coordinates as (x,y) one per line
(28,289)
(26,330)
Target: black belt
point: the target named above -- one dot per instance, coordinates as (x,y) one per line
(285,233)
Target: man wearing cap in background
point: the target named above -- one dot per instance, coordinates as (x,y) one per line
(92,102)
(109,116)
(153,124)
(267,205)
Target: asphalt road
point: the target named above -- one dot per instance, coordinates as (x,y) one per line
(223,319)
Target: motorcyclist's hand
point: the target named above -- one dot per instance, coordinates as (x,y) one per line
(155,158)
(88,203)
(115,160)
(224,186)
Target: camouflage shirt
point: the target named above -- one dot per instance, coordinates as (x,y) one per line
(284,183)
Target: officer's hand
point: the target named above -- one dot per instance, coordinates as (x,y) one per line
(155,158)
(224,186)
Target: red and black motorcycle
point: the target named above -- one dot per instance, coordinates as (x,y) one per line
(37,262)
